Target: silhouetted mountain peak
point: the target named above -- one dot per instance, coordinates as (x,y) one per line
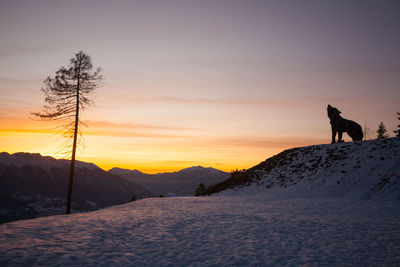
(20,159)
(118,171)
(27,155)
(197,169)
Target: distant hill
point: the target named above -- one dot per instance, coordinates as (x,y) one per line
(183,182)
(32,185)
(360,170)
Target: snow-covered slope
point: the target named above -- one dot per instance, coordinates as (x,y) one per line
(211,231)
(32,186)
(359,170)
(183,182)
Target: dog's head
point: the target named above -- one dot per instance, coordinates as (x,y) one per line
(332,112)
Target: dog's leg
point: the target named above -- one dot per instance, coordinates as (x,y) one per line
(333,135)
(340,133)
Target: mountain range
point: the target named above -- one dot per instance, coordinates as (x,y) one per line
(183,182)
(32,185)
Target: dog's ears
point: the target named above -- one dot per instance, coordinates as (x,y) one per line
(334,109)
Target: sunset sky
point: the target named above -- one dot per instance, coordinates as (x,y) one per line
(215,83)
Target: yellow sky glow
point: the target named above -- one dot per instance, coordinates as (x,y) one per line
(142,147)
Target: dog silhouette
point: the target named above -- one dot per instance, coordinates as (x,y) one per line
(340,125)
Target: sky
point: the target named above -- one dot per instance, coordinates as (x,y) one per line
(224,84)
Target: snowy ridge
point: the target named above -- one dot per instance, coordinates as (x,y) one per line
(45,162)
(359,170)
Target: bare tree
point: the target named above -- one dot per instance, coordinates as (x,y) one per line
(67,94)
(382,132)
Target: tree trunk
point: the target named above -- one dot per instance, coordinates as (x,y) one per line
(72,167)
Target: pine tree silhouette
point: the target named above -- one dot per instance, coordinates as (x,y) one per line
(382,132)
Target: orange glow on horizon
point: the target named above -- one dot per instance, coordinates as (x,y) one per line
(146,149)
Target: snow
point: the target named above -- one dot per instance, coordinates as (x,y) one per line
(212,231)
(327,205)
(357,170)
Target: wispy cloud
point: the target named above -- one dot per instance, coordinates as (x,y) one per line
(270,101)
(9,124)
(113,129)
(38,131)
(201,100)
(266,142)
(130,134)
(132,126)
(91,132)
